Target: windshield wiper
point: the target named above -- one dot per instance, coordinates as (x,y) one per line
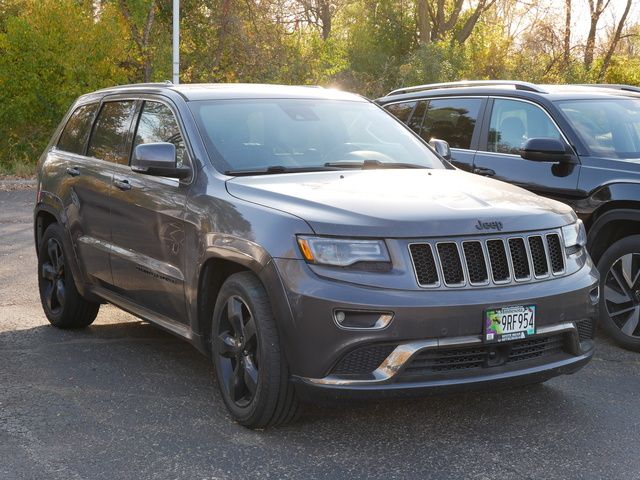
(279,169)
(373,164)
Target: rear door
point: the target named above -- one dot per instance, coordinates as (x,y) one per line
(104,151)
(453,119)
(509,123)
(147,221)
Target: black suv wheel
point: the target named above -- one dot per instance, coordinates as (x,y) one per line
(62,304)
(250,368)
(620,285)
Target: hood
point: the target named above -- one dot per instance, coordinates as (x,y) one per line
(402,203)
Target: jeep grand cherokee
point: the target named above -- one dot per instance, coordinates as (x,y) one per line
(309,243)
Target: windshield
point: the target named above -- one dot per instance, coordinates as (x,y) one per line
(610,128)
(295,134)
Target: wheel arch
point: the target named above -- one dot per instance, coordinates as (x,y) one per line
(43,218)
(618,221)
(214,271)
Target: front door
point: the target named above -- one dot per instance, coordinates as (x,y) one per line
(147,224)
(512,122)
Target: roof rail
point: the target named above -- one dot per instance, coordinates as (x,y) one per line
(529,87)
(615,86)
(166,83)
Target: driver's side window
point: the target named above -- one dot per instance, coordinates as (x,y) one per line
(514,122)
(158,124)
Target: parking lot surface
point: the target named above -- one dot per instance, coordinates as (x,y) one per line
(125,400)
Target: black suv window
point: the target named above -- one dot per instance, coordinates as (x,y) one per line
(401,110)
(109,137)
(513,122)
(76,131)
(452,120)
(158,124)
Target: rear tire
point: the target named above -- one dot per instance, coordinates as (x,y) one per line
(61,302)
(619,269)
(251,370)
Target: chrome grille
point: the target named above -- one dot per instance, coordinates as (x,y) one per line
(493,260)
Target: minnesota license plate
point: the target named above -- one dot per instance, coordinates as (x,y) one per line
(509,323)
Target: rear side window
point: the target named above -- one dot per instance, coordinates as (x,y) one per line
(158,124)
(452,120)
(401,110)
(76,131)
(109,138)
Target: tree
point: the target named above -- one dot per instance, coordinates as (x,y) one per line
(439,18)
(596,9)
(52,52)
(615,39)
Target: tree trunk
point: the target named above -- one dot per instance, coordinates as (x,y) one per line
(614,42)
(325,17)
(141,40)
(595,13)
(424,23)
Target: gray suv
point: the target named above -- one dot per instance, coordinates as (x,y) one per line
(309,243)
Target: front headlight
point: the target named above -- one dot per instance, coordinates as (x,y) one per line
(342,252)
(574,235)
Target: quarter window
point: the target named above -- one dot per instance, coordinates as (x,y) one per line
(452,120)
(514,122)
(401,110)
(415,123)
(76,131)
(109,138)
(158,124)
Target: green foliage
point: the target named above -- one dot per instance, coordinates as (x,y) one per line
(52,51)
(50,54)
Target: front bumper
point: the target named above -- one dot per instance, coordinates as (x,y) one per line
(314,344)
(390,378)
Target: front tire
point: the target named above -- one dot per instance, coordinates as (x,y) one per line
(251,370)
(619,269)
(61,302)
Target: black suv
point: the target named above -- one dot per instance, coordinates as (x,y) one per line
(309,242)
(579,144)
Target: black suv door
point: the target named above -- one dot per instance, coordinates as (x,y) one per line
(508,124)
(147,222)
(452,119)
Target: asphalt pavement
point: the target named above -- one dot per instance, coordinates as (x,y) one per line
(125,400)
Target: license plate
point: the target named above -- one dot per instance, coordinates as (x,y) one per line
(509,323)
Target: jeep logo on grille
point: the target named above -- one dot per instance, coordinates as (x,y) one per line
(489,225)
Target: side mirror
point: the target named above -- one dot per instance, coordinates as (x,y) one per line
(441,147)
(545,150)
(158,159)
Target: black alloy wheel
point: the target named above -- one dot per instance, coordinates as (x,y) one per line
(237,349)
(251,368)
(62,303)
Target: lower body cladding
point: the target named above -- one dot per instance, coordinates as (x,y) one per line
(405,342)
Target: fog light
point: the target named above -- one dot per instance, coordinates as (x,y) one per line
(362,319)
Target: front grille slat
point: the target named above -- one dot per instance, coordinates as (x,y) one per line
(451,263)
(493,260)
(556,256)
(519,259)
(498,260)
(539,256)
(476,264)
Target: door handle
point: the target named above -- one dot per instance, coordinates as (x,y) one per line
(487,172)
(73,171)
(122,184)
